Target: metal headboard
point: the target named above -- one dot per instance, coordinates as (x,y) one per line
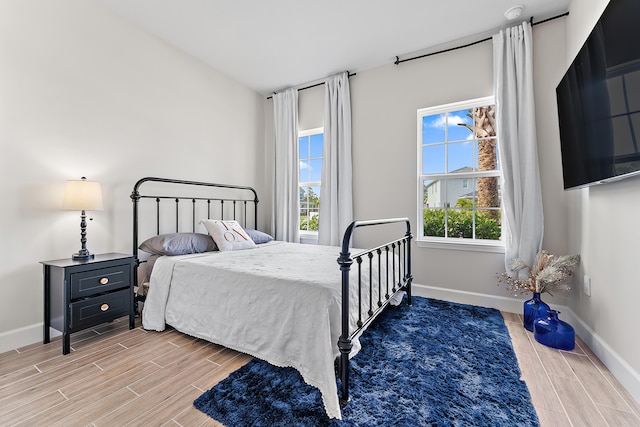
(214,203)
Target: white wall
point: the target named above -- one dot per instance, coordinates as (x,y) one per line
(604,230)
(82,92)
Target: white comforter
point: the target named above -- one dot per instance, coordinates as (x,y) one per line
(279,302)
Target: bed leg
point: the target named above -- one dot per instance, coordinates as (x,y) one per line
(345,345)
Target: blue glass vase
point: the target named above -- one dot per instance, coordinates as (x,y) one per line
(533,309)
(553,332)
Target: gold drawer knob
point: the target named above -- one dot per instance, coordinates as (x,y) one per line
(104,280)
(104,307)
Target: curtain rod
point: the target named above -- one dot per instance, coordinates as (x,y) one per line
(314,85)
(399,61)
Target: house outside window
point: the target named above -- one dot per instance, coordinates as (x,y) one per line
(459,199)
(309,179)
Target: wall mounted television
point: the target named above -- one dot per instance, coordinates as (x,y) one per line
(599,101)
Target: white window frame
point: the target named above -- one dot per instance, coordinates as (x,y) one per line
(455,243)
(309,236)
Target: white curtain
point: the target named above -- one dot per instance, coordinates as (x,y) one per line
(286,200)
(515,108)
(336,205)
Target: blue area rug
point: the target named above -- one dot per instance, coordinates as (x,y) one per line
(433,363)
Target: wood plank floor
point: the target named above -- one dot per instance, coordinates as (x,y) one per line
(115,376)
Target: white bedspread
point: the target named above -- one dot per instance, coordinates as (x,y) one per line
(279,302)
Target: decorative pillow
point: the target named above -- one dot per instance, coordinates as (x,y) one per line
(178,244)
(228,235)
(258,237)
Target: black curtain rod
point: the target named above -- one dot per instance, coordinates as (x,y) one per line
(399,61)
(310,86)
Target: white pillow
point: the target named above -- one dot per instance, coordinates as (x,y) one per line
(228,235)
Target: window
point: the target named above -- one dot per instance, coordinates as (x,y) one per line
(458,174)
(310,155)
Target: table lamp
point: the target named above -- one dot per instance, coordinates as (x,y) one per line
(82,195)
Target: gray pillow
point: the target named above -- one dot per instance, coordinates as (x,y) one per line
(179,244)
(258,236)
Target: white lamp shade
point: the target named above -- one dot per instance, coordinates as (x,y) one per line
(82,195)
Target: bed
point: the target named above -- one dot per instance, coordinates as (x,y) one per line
(292,305)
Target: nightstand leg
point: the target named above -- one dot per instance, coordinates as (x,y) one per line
(47,305)
(66,343)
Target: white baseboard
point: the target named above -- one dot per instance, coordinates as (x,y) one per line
(20,337)
(463,297)
(620,369)
(14,339)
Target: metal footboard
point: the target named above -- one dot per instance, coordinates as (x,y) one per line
(396,257)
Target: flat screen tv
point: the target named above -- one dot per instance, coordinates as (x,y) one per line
(599,101)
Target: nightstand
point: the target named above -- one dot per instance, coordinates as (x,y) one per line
(82,294)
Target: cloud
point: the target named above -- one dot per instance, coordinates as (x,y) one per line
(304,165)
(454,120)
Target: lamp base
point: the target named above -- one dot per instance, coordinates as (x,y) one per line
(82,256)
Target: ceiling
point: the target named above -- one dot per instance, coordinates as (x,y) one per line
(272,45)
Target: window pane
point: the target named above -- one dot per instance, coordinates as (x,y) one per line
(312,198)
(304,208)
(484,121)
(488,225)
(309,207)
(303,143)
(488,195)
(304,171)
(315,170)
(462,157)
(316,145)
(457,192)
(487,155)
(465,192)
(460,223)
(457,130)
(431,193)
(434,222)
(304,200)
(313,220)
(433,128)
(433,159)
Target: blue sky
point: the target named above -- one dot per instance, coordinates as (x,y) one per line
(310,152)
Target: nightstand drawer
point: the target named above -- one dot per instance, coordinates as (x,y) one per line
(99,309)
(88,283)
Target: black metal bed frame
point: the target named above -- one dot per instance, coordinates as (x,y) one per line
(395,255)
